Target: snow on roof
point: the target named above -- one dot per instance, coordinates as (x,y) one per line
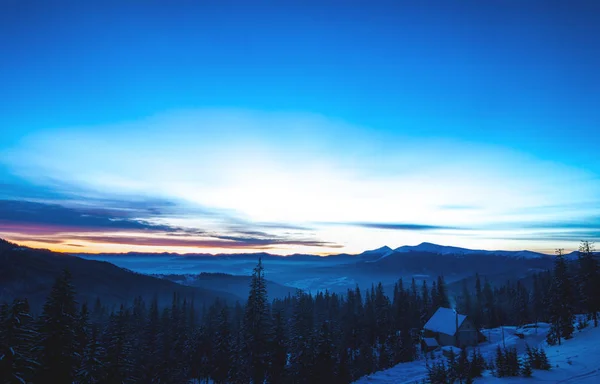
(430,342)
(444,321)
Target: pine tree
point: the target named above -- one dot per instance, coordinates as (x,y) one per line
(222,353)
(478,312)
(526,370)
(92,369)
(464,304)
(81,333)
(521,304)
(89,350)
(150,344)
(119,364)
(452,366)
(17,339)
(137,333)
(177,370)
(561,303)
(279,360)
(462,366)
(442,293)
(383,314)
(257,326)
(343,372)
(302,338)
(511,361)
(57,331)
(437,373)
(490,312)
(324,369)
(476,365)
(426,311)
(500,362)
(542,359)
(589,280)
(536,357)
(538,299)
(435,298)
(201,354)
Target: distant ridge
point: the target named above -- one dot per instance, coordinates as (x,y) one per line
(371,255)
(375,254)
(368,255)
(448,250)
(29,272)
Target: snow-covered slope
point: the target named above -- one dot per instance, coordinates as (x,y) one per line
(376,253)
(447,250)
(575,361)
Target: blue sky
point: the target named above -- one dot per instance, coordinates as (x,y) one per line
(299,126)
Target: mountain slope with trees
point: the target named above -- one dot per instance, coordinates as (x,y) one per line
(30,273)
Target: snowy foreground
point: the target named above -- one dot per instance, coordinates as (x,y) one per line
(575,361)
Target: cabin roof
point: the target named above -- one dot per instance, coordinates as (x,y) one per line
(444,321)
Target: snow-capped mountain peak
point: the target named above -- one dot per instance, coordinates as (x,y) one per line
(377,253)
(449,250)
(433,248)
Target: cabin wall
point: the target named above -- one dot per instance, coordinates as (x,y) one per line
(444,339)
(467,334)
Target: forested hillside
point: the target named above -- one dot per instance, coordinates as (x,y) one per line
(30,273)
(322,338)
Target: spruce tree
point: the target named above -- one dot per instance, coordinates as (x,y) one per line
(589,281)
(257,326)
(538,299)
(464,304)
(426,310)
(476,365)
(222,353)
(561,302)
(521,304)
(119,365)
(526,369)
(92,369)
(81,333)
(150,344)
(500,363)
(57,334)
(442,293)
(17,340)
(490,311)
(543,361)
(452,366)
(437,373)
(279,357)
(478,311)
(324,369)
(302,349)
(462,366)
(343,373)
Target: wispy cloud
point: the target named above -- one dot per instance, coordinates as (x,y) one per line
(222,242)
(55,217)
(397,226)
(55,224)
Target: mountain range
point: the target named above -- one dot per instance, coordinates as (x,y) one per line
(116,278)
(366,255)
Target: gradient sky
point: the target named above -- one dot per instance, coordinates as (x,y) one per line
(299,126)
